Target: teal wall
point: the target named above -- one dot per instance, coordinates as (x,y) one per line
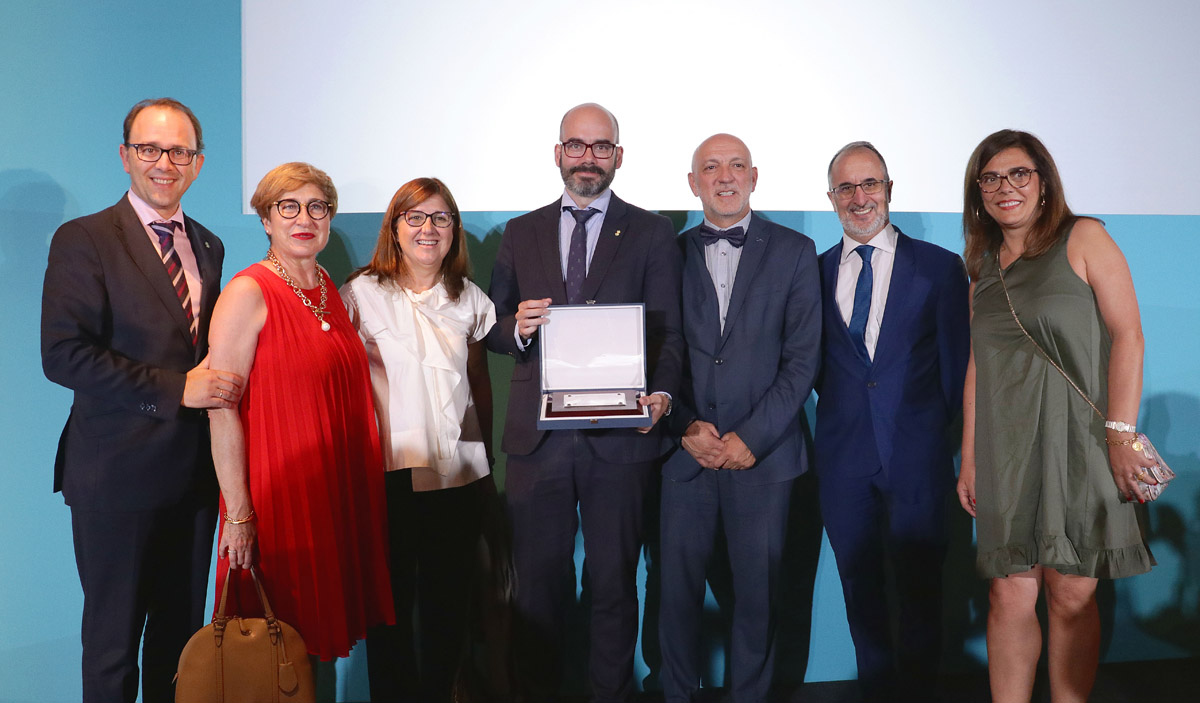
(70,71)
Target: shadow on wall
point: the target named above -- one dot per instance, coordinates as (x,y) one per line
(32,206)
(1167,606)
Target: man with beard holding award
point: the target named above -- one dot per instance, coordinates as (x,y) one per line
(588,246)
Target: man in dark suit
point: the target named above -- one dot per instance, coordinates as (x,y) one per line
(587,246)
(125,310)
(752,323)
(893,362)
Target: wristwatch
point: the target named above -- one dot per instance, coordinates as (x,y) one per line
(1120,426)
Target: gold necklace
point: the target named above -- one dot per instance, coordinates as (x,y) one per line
(318,310)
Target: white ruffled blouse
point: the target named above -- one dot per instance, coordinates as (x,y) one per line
(417,347)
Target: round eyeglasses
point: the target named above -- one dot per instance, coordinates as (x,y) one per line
(416,218)
(1017,178)
(870,187)
(601,150)
(290,209)
(151,153)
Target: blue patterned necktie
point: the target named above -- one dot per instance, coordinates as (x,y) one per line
(862,302)
(577,254)
(170,259)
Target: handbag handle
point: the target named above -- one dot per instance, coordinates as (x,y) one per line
(262,595)
(1028,336)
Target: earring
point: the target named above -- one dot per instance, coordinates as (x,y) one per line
(1043,203)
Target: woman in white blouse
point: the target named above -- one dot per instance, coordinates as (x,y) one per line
(423,323)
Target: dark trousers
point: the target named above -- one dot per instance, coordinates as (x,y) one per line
(549,492)
(144,577)
(864,521)
(432,537)
(754,520)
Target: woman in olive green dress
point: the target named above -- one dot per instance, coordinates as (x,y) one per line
(1051,486)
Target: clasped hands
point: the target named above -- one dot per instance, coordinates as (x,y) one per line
(714,451)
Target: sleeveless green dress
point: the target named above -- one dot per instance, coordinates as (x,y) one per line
(1044,489)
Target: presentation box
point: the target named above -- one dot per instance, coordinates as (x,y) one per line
(593,360)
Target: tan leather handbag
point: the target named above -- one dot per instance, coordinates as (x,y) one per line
(245,660)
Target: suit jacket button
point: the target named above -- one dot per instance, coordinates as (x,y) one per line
(718,361)
(871,384)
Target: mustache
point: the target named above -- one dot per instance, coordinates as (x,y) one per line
(586,168)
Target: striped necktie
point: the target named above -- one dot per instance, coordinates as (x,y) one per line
(170,259)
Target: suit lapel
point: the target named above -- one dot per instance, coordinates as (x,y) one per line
(895,309)
(757,240)
(132,233)
(700,296)
(546,240)
(210,279)
(615,222)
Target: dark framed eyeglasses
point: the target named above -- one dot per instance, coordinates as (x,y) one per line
(576,149)
(1016,177)
(416,218)
(178,155)
(869,187)
(290,209)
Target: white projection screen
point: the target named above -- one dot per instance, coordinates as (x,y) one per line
(377,92)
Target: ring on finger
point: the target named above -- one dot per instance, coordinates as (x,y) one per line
(1141,475)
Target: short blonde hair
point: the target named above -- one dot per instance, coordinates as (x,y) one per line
(288,177)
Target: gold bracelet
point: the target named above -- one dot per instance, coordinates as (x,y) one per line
(231,521)
(1122,442)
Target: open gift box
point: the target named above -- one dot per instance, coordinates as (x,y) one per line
(593,367)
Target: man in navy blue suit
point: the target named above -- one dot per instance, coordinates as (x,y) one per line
(894,356)
(752,323)
(125,309)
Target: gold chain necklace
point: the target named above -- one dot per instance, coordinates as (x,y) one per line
(318,310)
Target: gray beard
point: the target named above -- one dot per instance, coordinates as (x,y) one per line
(880,221)
(587,189)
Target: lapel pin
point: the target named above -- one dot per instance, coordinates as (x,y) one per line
(617,233)
(206,246)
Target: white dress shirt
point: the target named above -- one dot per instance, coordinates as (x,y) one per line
(881,275)
(722,260)
(417,348)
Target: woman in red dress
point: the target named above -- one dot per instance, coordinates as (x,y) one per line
(298,460)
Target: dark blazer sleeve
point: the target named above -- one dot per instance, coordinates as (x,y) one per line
(775,412)
(663,323)
(953,334)
(77,329)
(505,294)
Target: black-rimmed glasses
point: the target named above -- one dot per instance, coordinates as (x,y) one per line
(290,209)
(869,187)
(1016,177)
(601,150)
(416,218)
(178,155)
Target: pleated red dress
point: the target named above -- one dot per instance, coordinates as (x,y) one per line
(316,476)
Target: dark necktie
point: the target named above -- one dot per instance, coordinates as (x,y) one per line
(170,259)
(862,302)
(577,254)
(736,236)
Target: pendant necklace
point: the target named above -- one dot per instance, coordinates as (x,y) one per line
(320,310)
